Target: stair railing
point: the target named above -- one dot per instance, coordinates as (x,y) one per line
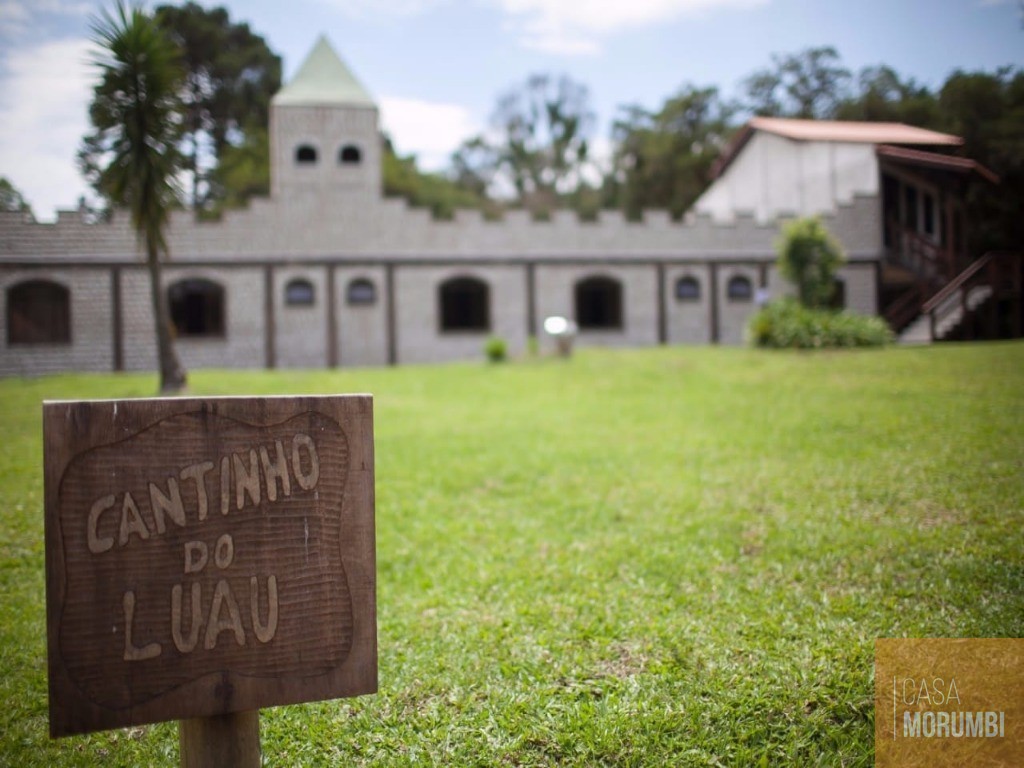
(1000,270)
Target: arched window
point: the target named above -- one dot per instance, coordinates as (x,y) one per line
(305,153)
(739,288)
(38,312)
(197,307)
(464,305)
(688,289)
(361,292)
(350,155)
(598,303)
(299,292)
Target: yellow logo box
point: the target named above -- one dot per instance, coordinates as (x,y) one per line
(949,702)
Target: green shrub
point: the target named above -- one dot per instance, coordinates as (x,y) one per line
(809,257)
(496,349)
(788,324)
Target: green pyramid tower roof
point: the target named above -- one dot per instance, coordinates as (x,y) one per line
(323,79)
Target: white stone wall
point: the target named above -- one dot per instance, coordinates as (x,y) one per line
(417,311)
(330,219)
(861,288)
(556,296)
(327,129)
(243,342)
(774,176)
(733,315)
(300,332)
(91,345)
(688,322)
(347,225)
(362,329)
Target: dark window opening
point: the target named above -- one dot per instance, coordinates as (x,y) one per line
(598,303)
(361,292)
(688,289)
(929,215)
(305,154)
(739,288)
(197,307)
(910,208)
(890,206)
(465,305)
(38,312)
(350,155)
(299,293)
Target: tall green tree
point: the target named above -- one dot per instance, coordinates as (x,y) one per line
(883,96)
(663,159)
(540,148)
(11,199)
(987,110)
(131,157)
(442,195)
(230,76)
(809,84)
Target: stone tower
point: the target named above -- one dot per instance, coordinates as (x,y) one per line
(324,135)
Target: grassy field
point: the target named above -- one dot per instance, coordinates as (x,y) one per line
(676,556)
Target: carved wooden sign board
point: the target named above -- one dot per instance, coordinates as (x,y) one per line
(207,556)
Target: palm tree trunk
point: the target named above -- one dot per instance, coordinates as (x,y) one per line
(172,375)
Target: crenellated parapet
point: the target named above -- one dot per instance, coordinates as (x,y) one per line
(351,227)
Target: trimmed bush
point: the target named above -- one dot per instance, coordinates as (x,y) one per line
(496,349)
(788,324)
(809,257)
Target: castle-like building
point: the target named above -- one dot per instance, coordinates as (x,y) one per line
(328,272)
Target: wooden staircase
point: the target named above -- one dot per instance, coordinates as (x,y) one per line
(982,301)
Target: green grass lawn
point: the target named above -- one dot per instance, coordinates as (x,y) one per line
(676,556)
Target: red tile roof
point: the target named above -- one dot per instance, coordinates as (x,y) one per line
(852,132)
(832,130)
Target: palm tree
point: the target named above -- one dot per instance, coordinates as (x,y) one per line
(131,158)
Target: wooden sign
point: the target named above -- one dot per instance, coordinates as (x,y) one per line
(207,556)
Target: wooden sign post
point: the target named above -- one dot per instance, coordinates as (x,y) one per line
(206,558)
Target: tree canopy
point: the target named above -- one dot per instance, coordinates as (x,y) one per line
(663,159)
(809,84)
(540,145)
(11,199)
(230,76)
(442,195)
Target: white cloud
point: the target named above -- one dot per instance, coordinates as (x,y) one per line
(571,27)
(19,17)
(44,96)
(430,130)
(400,8)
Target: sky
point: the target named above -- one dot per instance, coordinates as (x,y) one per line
(437,67)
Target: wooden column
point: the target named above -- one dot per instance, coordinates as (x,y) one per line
(117,320)
(221,741)
(531,299)
(269,321)
(332,318)
(389,290)
(713,303)
(662,309)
